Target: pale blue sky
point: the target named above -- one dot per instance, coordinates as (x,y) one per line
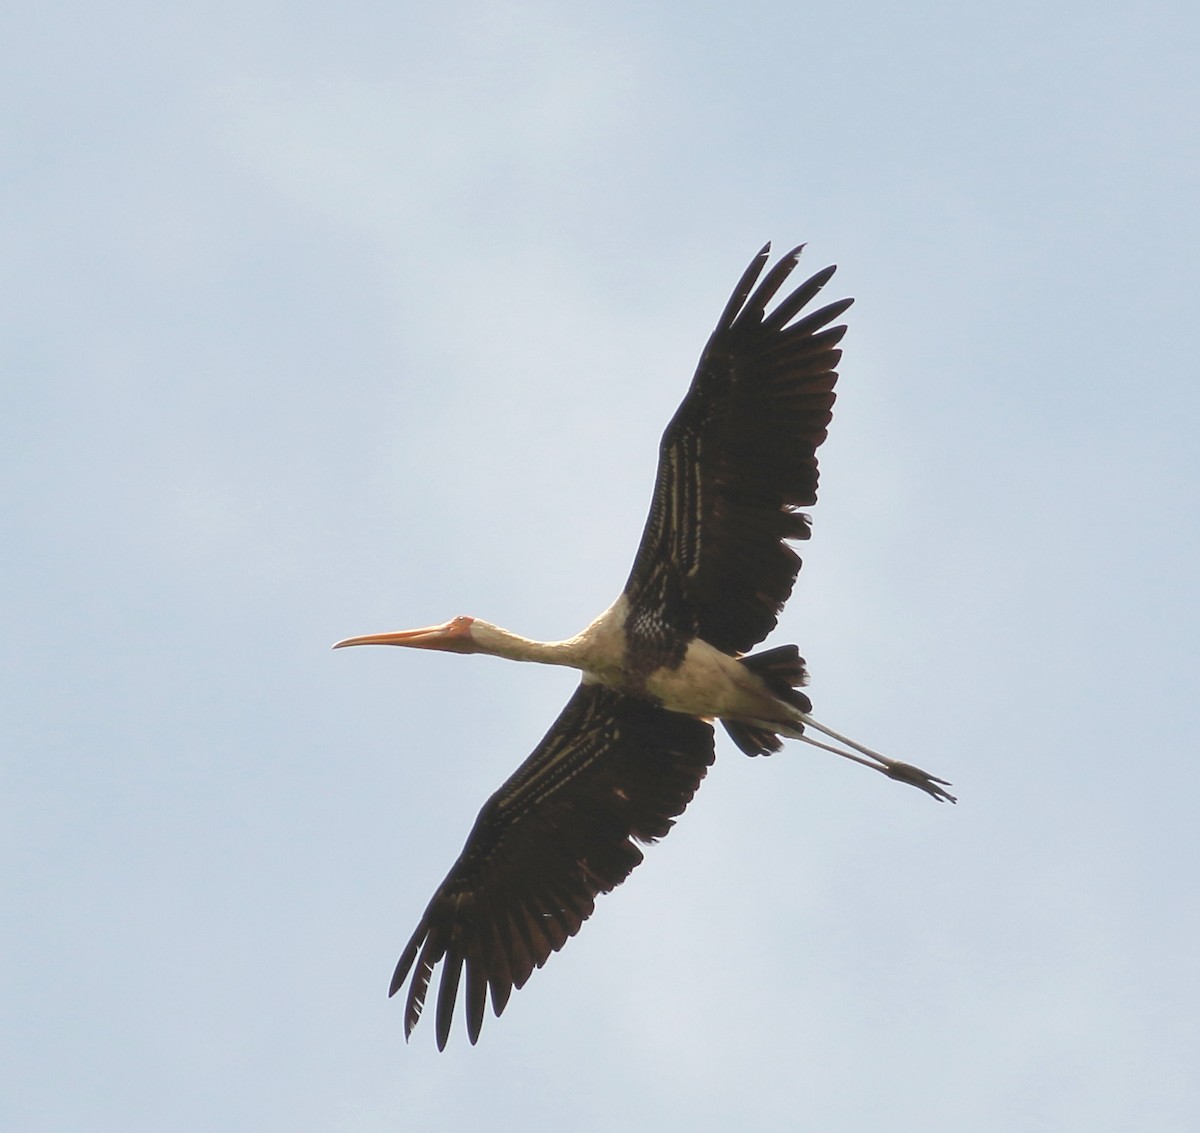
(322,319)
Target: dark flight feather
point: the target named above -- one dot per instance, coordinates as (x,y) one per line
(614,770)
(736,460)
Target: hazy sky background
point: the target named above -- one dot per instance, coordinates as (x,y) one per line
(324,319)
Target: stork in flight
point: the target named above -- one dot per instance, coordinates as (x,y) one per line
(667,658)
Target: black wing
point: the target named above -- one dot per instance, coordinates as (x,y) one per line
(737,459)
(612,770)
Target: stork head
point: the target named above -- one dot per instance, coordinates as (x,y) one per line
(454,636)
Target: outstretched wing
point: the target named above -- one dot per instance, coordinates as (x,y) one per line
(737,459)
(613,770)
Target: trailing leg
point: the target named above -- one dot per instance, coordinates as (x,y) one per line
(892,768)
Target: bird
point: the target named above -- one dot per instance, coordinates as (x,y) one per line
(667,659)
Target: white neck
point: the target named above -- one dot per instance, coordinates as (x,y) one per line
(502,643)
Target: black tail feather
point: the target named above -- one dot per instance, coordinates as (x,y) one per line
(782,668)
(752,740)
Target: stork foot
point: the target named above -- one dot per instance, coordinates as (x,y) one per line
(930,784)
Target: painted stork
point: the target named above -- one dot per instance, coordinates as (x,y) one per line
(711,575)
